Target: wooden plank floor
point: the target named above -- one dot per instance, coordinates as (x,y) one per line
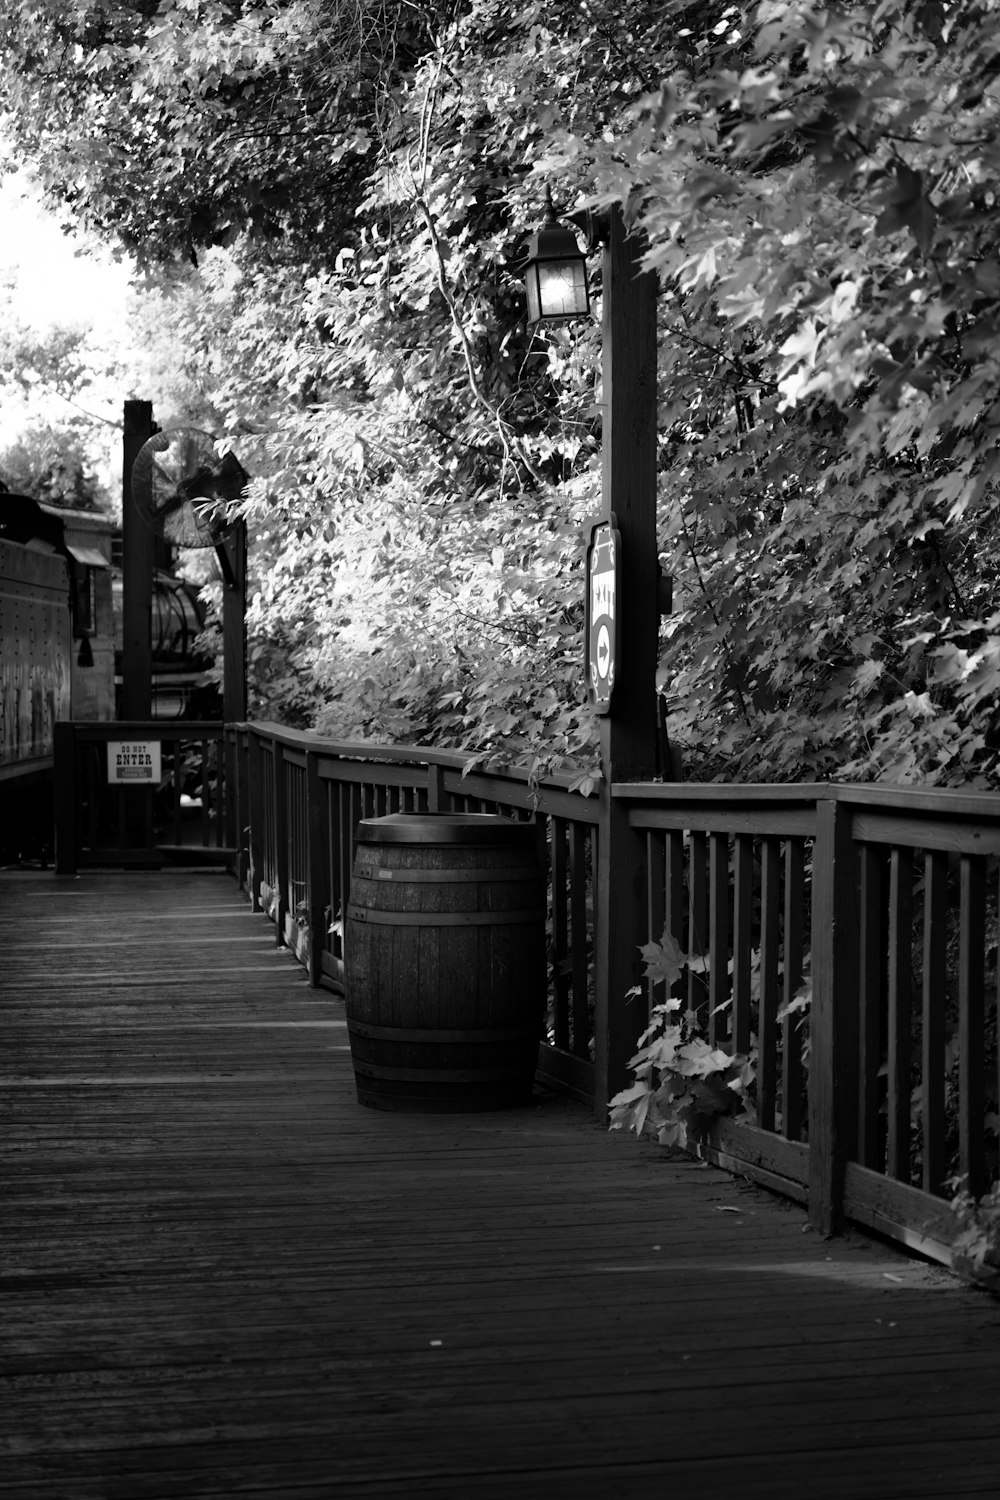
(220,1276)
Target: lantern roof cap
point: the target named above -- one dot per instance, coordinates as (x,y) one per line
(553,241)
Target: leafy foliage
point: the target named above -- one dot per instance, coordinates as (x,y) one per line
(51,464)
(53,450)
(817,187)
(976,1247)
(683,1083)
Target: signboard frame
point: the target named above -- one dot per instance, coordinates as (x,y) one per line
(134,763)
(601,612)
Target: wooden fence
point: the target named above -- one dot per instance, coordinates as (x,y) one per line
(880,904)
(845,935)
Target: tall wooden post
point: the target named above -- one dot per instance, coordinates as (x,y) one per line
(233,559)
(628,731)
(833,1017)
(234,626)
(138,565)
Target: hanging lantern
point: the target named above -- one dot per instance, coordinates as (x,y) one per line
(555,272)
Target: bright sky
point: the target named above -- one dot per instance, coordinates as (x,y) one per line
(56,279)
(55,284)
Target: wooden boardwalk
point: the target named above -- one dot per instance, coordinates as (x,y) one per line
(220,1276)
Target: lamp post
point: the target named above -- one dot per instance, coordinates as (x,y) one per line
(633,593)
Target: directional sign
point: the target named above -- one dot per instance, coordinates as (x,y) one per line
(601,613)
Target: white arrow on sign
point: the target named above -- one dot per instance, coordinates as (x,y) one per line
(603,651)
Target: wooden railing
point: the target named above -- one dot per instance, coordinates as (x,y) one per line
(184,814)
(845,936)
(878,907)
(298,802)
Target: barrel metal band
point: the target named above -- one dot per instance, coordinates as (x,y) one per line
(445,877)
(376,918)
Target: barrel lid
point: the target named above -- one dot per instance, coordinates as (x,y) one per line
(445,828)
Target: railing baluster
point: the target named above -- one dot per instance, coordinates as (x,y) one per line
(581,1012)
(871,1147)
(900,1007)
(697,939)
(176,780)
(793,950)
(673,894)
(935,987)
(718,938)
(971,1021)
(655,897)
(280,784)
(562,978)
(742,942)
(318,895)
(343,831)
(206,796)
(770,928)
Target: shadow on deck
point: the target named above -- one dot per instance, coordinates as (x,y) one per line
(220,1276)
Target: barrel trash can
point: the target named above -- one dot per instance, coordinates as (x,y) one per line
(445,963)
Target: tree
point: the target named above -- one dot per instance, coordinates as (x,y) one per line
(817,190)
(52,464)
(247,117)
(54,445)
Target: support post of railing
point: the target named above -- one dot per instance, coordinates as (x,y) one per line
(319,866)
(280,839)
(833,1053)
(241,806)
(229,776)
(255,811)
(64,797)
(619,932)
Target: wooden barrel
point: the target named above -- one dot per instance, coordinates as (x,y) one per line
(445,967)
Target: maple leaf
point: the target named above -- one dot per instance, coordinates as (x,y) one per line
(801,345)
(867,675)
(663,960)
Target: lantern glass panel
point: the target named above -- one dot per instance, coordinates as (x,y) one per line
(531,291)
(562,288)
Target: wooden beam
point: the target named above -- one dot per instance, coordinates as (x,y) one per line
(234,626)
(138,563)
(65,797)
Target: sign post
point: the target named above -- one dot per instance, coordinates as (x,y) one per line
(629,651)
